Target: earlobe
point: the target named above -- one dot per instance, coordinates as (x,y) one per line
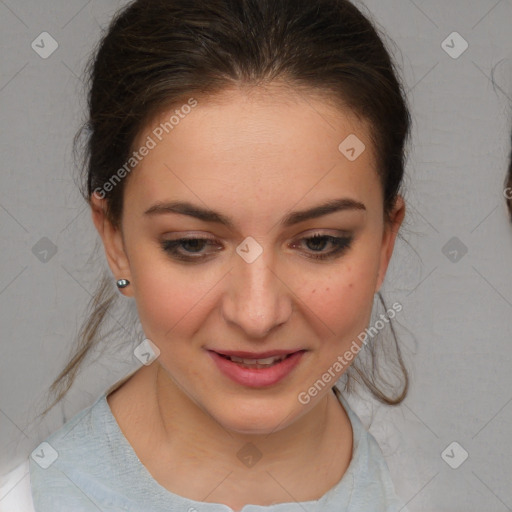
(113,243)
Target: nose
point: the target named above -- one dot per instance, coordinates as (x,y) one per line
(257,299)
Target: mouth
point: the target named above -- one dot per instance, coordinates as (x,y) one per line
(257,362)
(257,370)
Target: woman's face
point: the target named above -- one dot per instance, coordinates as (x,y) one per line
(251,170)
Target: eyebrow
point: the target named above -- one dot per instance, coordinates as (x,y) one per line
(207,215)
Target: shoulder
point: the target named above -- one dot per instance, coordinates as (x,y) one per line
(64,465)
(373,488)
(15,490)
(74,439)
(33,480)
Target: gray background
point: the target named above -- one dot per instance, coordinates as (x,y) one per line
(455,324)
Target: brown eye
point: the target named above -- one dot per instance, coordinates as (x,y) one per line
(190,247)
(318,242)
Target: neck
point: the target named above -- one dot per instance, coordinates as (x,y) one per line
(188,452)
(190,431)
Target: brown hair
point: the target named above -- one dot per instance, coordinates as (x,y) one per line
(157,54)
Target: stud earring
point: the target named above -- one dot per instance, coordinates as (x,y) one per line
(122,283)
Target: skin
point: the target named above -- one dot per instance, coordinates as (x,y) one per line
(254,156)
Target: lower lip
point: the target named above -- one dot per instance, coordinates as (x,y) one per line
(254,377)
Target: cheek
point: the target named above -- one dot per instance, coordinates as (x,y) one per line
(344,304)
(167,299)
(344,301)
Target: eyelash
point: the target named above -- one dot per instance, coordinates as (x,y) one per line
(341,244)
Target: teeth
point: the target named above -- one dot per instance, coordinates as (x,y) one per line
(269,361)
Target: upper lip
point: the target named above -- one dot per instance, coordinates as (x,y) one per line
(256,355)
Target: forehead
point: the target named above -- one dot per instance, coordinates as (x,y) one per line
(267,143)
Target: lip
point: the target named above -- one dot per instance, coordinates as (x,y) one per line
(257,377)
(255,355)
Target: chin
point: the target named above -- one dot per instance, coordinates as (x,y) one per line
(247,426)
(261,419)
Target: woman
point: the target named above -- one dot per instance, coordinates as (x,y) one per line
(244,167)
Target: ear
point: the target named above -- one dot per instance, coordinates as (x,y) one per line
(388,239)
(113,243)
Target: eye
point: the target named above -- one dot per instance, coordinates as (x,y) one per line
(318,241)
(191,249)
(173,247)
